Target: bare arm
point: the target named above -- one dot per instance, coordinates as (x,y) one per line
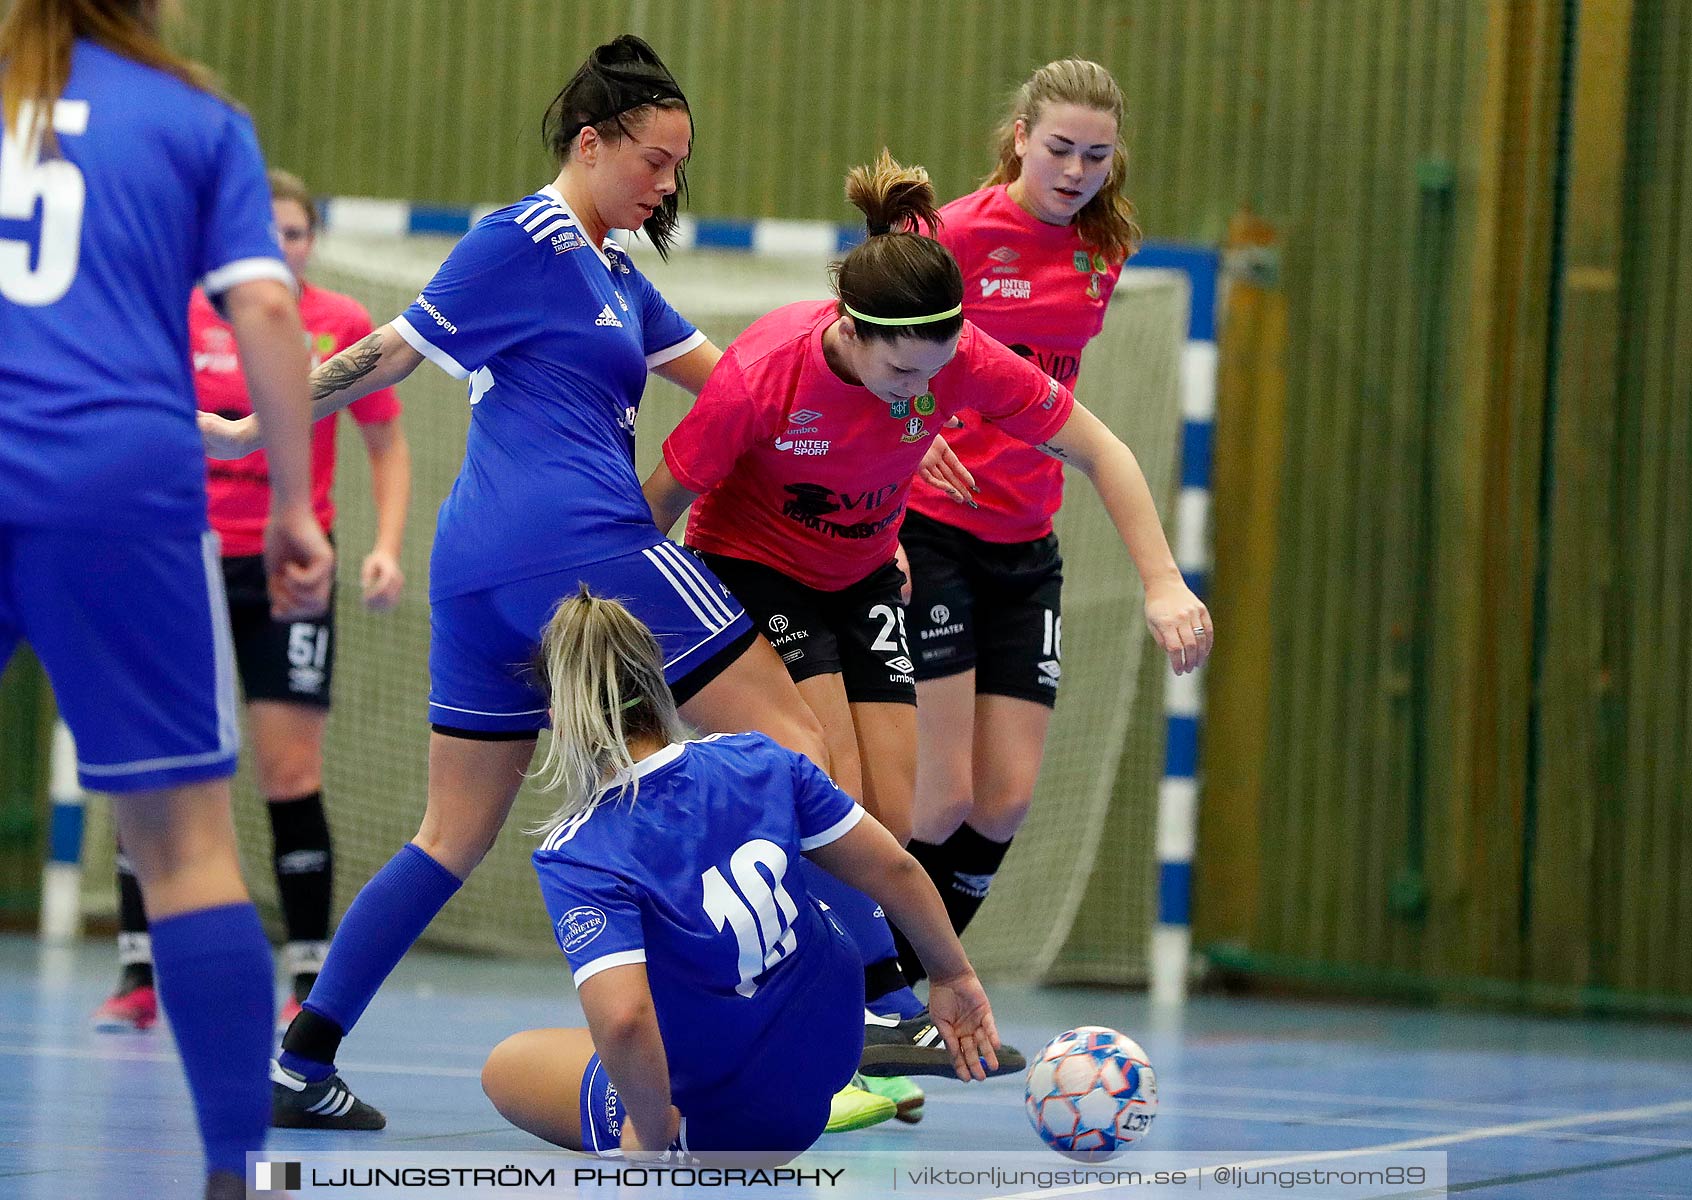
(390,483)
(1178,619)
(379,360)
(298,560)
(667,498)
(692,369)
(624,1025)
(871,860)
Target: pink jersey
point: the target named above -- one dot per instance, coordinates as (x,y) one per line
(238,491)
(1037,289)
(808,474)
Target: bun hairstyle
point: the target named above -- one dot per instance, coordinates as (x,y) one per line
(604,675)
(899,273)
(1106,222)
(613,92)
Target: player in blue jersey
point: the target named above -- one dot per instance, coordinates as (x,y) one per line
(706,970)
(124,178)
(555,332)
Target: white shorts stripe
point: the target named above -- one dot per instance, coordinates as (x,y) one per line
(689,568)
(705,619)
(223,639)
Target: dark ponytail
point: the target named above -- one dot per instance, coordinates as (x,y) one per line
(617,84)
(900,272)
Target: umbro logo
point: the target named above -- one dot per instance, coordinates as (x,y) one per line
(901,664)
(607,317)
(805,416)
(1004,254)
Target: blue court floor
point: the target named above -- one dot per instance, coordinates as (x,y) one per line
(1526,1108)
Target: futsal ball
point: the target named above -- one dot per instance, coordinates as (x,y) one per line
(1091,1092)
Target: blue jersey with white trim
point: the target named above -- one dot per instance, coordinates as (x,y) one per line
(154,185)
(555,336)
(698,878)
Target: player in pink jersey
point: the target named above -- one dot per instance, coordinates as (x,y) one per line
(1041,246)
(802,448)
(285,666)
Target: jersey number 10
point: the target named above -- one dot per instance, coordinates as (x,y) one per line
(756,907)
(59,186)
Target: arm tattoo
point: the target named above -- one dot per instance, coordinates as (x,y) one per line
(1048,448)
(346,368)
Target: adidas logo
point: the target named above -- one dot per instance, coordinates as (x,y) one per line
(607,317)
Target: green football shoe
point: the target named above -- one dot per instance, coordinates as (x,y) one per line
(855,1107)
(907,1097)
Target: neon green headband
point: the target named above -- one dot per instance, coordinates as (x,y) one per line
(928,320)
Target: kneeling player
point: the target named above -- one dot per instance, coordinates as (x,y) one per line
(703,964)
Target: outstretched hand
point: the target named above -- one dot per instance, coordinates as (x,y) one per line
(225,439)
(965,1019)
(941,469)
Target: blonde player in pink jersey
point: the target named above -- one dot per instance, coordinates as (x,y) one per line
(801,451)
(1041,246)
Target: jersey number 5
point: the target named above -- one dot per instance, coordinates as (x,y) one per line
(59,186)
(756,907)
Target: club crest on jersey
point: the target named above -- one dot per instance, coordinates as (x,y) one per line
(924,404)
(899,409)
(915,430)
(580,926)
(1082,261)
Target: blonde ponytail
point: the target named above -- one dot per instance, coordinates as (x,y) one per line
(605,674)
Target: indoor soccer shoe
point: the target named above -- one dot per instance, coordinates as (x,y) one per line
(125,1012)
(907,1097)
(296,1104)
(914,1047)
(855,1107)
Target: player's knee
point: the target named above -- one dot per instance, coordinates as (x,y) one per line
(999,811)
(942,805)
(496,1072)
(458,850)
(289,776)
(803,734)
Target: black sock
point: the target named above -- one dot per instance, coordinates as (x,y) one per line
(135,945)
(962,868)
(973,860)
(304,861)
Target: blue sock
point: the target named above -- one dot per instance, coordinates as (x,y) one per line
(865,921)
(213,972)
(385,918)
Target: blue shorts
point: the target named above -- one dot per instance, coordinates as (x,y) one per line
(134,634)
(806,1056)
(482,644)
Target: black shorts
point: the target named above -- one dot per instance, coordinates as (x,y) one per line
(857,632)
(292,661)
(992,607)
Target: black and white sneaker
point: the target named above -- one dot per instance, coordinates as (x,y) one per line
(296,1104)
(914,1047)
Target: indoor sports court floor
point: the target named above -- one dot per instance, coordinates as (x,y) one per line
(1527,1108)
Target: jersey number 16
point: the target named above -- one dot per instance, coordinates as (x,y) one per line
(757,907)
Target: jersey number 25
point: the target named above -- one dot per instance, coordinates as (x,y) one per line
(757,907)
